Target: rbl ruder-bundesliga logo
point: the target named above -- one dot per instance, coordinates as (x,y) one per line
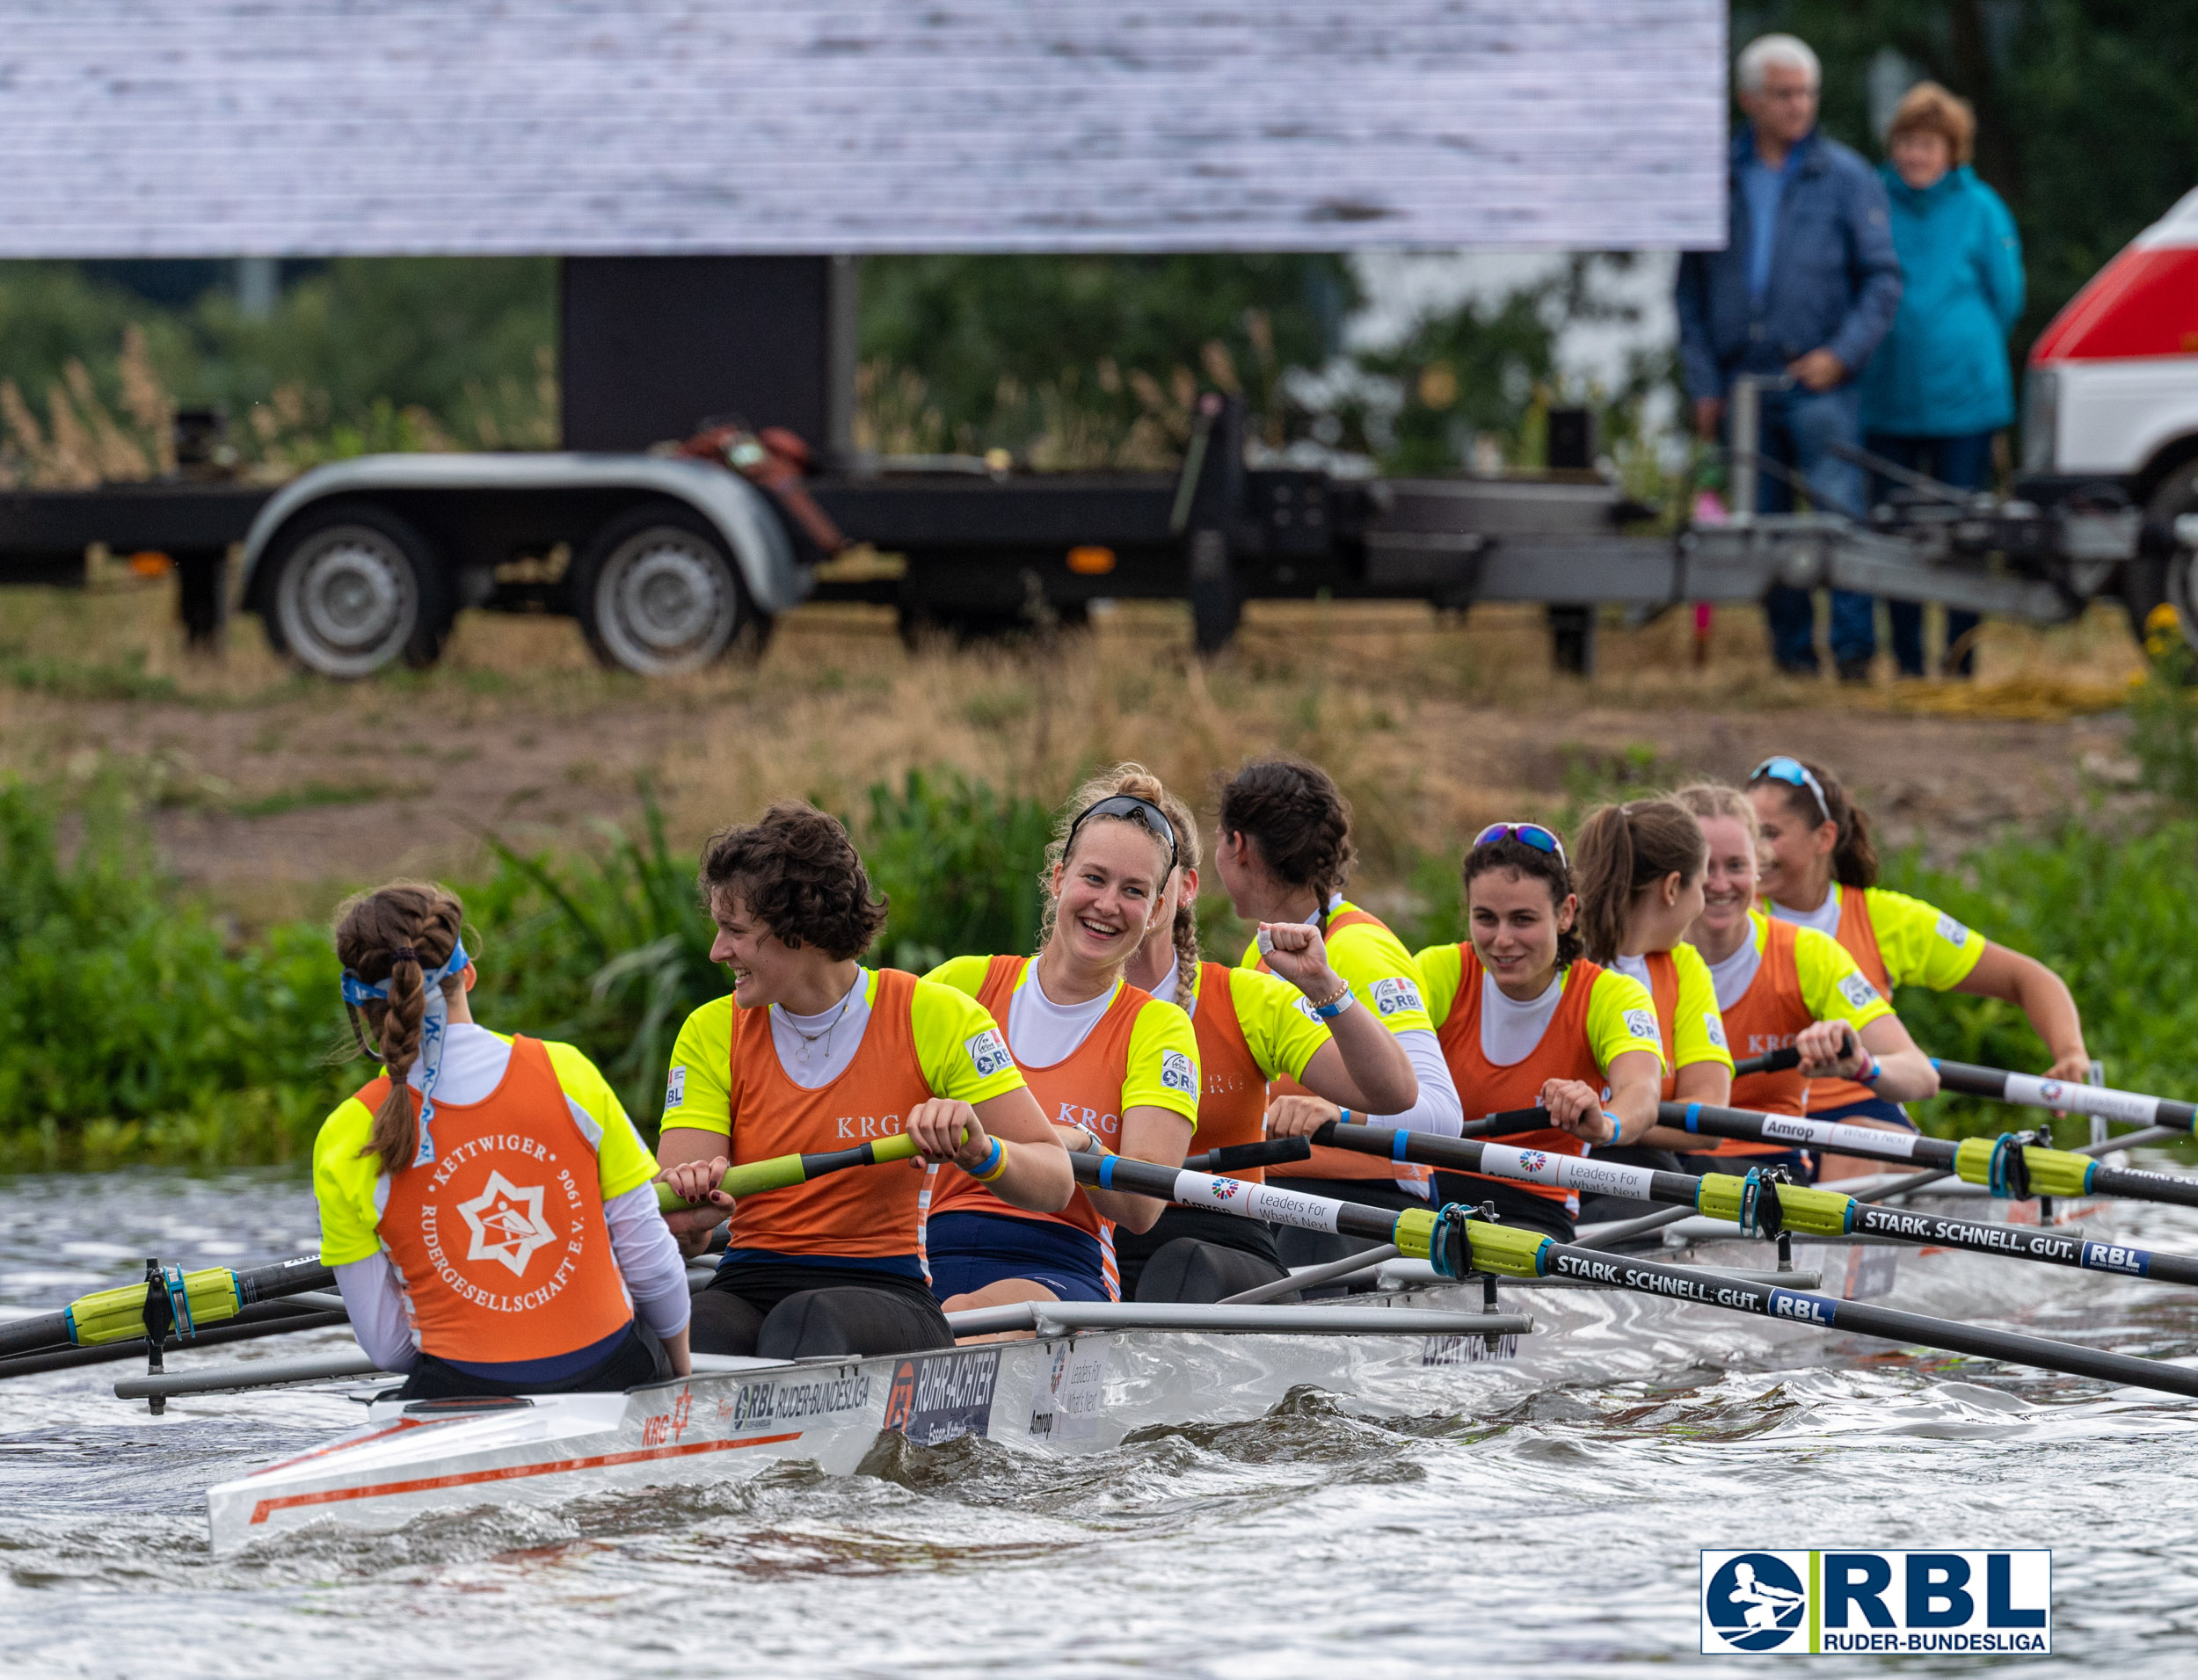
(1904,1603)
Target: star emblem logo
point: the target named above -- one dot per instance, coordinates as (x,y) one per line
(506,1224)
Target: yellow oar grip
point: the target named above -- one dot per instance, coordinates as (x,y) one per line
(781,1171)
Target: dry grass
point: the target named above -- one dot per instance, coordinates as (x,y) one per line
(1433,726)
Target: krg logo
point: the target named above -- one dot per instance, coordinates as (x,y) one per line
(1753,1601)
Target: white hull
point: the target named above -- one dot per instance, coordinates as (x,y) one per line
(1077,1389)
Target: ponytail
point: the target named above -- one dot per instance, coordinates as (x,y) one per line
(1623,850)
(1854,862)
(389,939)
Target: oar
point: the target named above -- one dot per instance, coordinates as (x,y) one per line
(1507,1123)
(1772,1061)
(253,1323)
(193,1299)
(2029,1091)
(2006,1165)
(1238,1158)
(1457,1243)
(781,1171)
(1763,1207)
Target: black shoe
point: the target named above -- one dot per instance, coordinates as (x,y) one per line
(1799,667)
(1856,669)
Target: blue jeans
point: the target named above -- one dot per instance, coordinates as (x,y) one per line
(1966,463)
(1798,428)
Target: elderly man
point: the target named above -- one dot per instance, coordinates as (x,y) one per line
(1806,285)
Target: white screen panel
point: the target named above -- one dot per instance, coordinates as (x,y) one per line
(323,127)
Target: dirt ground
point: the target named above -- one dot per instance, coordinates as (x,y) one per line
(276,791)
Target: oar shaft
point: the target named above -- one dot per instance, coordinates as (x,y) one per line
(1507,1122)
(1749,1127)
(780,1172)
(214,1295)
(1525,1166)
(2030,1091)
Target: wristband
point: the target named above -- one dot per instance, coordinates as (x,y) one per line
(1871,1071)
(1335,1006)
(1616,1127)
(993,1166)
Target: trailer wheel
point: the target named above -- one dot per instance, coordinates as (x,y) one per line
(354,586)
(2154,585)
(657,594)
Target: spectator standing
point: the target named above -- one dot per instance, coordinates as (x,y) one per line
(1807,285)
(1939,388)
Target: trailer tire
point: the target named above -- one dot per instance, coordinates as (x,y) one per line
(2153,580)
(352,588)
(658,594)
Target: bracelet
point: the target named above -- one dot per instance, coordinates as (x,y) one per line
(1328,1008)
(993,1166)
(1617,1126)
(1872,1073)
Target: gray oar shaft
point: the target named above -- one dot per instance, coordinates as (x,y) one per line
(1796,1306)
(2067,1096)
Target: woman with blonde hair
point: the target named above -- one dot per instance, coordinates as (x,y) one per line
(484,1202)
(1296,1020)
(1115,1069)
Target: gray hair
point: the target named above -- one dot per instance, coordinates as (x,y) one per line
(1765,50)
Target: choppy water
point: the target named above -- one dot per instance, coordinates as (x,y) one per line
(1559,1537)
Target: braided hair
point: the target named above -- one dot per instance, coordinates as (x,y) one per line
(1293,811)
(395,933)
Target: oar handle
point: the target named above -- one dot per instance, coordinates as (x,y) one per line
(1772,1061)
(780,1172)
(1507,1122)
(1239,1158)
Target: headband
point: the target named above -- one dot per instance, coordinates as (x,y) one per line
(434,1021)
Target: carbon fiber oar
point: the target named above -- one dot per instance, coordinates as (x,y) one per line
(781,1171)
(2008,1165)
(2029,1091)
(1772,1061)
(194,1300)
(1507,1123)
(1763,1207)
(1457,1243)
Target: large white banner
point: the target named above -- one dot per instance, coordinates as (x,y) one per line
(182,127)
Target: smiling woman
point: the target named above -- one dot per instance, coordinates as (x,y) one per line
(813,1051)
(1114,1067)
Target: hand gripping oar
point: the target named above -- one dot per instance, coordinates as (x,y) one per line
(2008,1165)
(1763,1207)
(193,1300)
(1458,1242)
(1772,1061)
(1507,1123)
(781,1171)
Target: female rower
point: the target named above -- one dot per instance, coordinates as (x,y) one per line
(1252,1027)
(485,1203)
(1641,868)
(1526,1021)
(1779,984)
(1284,854)
(811,1052)
(1115,1069)
(1820,871)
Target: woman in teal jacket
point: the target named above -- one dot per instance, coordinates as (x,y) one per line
(1939,386)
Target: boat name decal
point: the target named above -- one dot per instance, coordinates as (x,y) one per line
(935,1397)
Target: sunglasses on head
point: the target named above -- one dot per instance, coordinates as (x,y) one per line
(1129,808)
(1794,773)
(1533,834)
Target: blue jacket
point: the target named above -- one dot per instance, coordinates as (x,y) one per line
(1942,370)
(1835,281)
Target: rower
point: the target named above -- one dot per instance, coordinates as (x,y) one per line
(1299,1022)
(1639,867)
(1527,1021)
(1283,852)
(1115,1068)
(1820,871)
(485,1204)
(1778,983)
(812,1051)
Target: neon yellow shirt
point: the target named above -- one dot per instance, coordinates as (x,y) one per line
(1621,1015)
(1380,972)
(347,1183)
(1919,943)
(1833,985)
(1697,1029)
(1279,1027)
(957,1046)
(1162,1071)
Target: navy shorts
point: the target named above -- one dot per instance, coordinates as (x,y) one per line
(968,1251)
(1870,1107)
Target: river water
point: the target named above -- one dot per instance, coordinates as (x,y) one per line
(1556,1538)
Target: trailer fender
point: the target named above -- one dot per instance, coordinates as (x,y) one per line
(759,543)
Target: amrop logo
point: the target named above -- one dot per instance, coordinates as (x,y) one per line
(1903,1602)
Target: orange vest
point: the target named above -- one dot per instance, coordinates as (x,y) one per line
(1858,938)
(1767,1016)
(1663,993)
(1563,1053)
(501,1240)
(1083,1089)
(1232,1104)
(1342,1163)
(868,1213)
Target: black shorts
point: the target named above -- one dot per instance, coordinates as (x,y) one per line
(1197,1254)
(784,1310)
(638,1358)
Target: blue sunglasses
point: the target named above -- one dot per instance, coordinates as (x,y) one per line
(1794,773)
(1533,834)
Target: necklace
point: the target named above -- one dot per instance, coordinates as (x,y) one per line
(809,1039)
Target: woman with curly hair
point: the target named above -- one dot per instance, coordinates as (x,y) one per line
(813,1051)
(485,1203)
